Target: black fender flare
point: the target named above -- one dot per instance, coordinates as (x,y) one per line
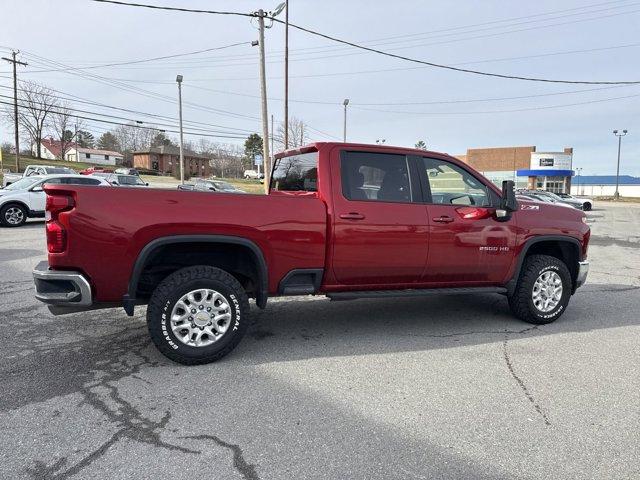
(511,284)
(129,299)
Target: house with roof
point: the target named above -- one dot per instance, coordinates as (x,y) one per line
(165,159)
(93,155)
(50,149)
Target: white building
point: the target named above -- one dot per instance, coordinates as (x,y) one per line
(605,185)
(92,155)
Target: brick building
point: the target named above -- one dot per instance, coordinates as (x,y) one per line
(165,159)
(528,167)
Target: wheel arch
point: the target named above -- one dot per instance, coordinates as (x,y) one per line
(563,247)
(146,254)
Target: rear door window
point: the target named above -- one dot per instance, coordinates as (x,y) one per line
(296,173)
(381,177)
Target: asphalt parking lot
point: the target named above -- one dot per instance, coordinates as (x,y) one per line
(442,387)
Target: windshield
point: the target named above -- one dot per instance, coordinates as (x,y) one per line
(553,195)
(52,170)
(23,183)
(223,186)
(129,180)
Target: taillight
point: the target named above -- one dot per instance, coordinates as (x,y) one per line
(56,233)
(59,203)
(56,237)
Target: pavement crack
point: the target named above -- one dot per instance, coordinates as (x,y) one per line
(520,382)
(247,470)
(131,423)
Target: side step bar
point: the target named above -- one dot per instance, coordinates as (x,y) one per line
(413,292)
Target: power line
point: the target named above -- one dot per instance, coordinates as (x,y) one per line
(450,67)
(129,124)
(380,52)
(164,57)
(74,98)
(132,89)
(404,112)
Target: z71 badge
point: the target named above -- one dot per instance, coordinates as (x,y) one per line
(530,207)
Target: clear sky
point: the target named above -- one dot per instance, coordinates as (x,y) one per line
(390,98)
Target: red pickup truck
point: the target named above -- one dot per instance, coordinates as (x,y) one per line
(344,220)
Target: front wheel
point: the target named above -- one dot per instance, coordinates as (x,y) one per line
(543,290)
(13,215)
(197,315)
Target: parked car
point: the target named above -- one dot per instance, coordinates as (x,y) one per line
(10,178)
(126,180)
(253,174)
(541,196)
(92,170)
(587,203)
(205,185)
(196,259)
(127,171)
(26,199)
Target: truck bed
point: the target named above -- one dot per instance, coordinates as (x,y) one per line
(109,227)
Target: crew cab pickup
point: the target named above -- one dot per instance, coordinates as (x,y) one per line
(347,221)
(10,178)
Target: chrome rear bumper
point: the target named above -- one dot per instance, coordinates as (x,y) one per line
(583,270)
(61,287)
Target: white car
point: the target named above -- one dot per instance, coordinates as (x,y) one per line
(252,174)
(25,198)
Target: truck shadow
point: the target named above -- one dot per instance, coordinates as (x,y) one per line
(292,329)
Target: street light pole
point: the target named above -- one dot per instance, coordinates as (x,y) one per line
(618,134)
(344,130)
(179,80)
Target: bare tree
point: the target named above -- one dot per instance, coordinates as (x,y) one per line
(36,104)
(63,127)
(297,134)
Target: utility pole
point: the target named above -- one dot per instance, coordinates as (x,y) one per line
(273,151)
(179,80)
(15,100)
(344,131)
(286,76)
(263,95)
(618,134)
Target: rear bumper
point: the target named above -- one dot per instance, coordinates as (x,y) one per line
(62,288)
(583,270)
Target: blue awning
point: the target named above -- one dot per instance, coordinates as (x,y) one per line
(545,173)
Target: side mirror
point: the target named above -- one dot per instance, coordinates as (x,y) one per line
(37,189)
(508,202)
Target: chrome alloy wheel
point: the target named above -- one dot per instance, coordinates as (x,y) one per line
(201,317)
(547,291)
(14,215)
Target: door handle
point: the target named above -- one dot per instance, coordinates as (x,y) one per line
(352,216)
(443,219)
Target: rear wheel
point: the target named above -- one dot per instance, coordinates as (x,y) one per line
(543,290)
(197,315)
(586,206)
(13,215)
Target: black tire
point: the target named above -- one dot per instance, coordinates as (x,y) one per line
(5,214)
(521,301)
(181,282)
(586,206)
